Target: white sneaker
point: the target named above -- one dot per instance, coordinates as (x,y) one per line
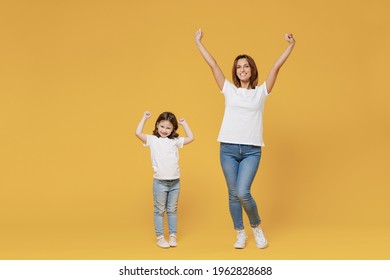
(261,241)
(172,240)
(241,240)
(162,243)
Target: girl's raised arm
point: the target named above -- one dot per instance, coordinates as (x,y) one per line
(140,127)
(273,73)
(189,135)
(217,72)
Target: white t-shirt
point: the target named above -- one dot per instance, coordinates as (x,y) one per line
(165,156)
(243,118)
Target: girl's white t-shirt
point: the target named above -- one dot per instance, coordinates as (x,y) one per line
(243,118)
(165,156)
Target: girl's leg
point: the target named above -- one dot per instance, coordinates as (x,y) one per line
(171,206)
(160,200)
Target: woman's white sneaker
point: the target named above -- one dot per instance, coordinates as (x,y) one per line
(241,240)
(261,241)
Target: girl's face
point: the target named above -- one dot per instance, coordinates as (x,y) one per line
(243,70)
(164,128)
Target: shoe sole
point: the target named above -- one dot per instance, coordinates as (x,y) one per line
(262,247)
(239,247)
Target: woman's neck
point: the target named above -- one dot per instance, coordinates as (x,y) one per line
(245,85)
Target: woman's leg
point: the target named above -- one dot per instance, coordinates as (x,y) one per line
(229,157)
(247,171)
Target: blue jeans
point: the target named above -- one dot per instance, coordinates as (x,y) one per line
(166,196)
(239,165)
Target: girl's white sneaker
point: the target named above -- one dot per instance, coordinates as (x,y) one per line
(172,240)
(162,243)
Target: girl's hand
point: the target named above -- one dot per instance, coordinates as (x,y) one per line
(147,115)
(198,35)
(181,121)
(289,38)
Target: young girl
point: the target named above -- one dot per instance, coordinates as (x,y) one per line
(164,144)
(241,133)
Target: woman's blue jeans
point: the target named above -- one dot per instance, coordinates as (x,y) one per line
(166,195)
(239,165)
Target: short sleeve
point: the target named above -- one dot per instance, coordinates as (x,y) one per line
(149,140)
(263,88)
(228,87)
(179,142)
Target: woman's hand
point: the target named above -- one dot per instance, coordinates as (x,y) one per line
(289,38)
(198,35)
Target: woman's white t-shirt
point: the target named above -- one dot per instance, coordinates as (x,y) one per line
(243,118)
(165,156)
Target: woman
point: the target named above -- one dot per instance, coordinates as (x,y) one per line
(241,133)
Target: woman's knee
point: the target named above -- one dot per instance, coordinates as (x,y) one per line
(244,196)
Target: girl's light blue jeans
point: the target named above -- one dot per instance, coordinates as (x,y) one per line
(239,165)
(166,195)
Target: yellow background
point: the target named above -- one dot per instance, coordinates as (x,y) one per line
(76,76)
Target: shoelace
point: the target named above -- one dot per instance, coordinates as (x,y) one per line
(259,234)
(241,237)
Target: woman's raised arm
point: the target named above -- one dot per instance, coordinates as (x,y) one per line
(273,73)
(217,72)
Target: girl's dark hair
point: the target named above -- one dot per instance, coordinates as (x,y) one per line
(253,80)
(167,116)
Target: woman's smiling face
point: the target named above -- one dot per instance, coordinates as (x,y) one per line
(243,70)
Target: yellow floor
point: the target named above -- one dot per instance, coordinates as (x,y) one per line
(122,242)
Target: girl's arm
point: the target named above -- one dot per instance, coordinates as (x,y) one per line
(273,73)
(140,127)
(189,135)
(217,72)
